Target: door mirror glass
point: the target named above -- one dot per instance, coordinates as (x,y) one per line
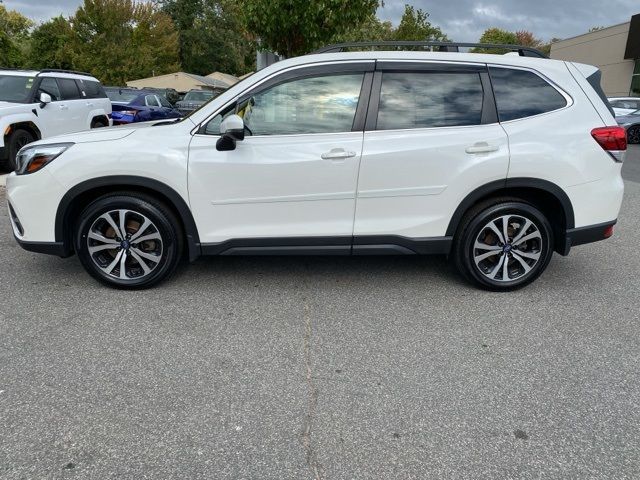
(232,130)
(44,99)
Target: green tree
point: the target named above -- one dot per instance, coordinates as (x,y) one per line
(296,27)
(50,45)
(14,35)
(370,30)
(415,25)
(120,40)
(211,35)
(496,35)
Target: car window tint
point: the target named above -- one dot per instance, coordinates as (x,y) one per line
(164,102)
(91,89)
(520,94)
(68,89)
(309,105)
(427,99)
(50,86)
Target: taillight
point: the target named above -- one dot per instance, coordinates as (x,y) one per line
(612,139)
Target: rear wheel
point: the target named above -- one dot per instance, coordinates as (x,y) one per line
(633,134)
(18,139)
(503,244)
(99,123)
(128,241)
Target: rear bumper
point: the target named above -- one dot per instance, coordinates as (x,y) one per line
(48,248)
(588,234)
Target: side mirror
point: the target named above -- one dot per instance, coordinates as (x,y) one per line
(231,130)
(44,99)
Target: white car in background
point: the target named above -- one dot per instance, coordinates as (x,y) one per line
(624,105)
(497,161)
(39,104)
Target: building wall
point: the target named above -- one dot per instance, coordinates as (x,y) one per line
(605,49)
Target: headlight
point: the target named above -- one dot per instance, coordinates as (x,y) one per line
(32,158)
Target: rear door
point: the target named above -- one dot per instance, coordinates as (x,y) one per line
(73,108)
(432,137)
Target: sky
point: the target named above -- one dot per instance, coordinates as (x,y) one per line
(461,20)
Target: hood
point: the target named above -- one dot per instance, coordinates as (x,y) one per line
(98,134)
(7,108)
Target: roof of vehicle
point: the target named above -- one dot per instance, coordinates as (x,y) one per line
(47,73)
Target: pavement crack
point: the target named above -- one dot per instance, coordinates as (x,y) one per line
(307,441)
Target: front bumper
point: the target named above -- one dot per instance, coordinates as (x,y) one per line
(49,248)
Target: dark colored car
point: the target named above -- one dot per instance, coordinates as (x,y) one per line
(171,95)
(193,100)
(131,105)
(631,123)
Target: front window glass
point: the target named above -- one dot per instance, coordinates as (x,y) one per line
(16,89)
(50,86)
(308,105)
(427,100)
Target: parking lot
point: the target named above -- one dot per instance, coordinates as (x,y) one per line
(336,368)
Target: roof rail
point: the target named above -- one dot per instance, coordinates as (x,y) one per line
(57,70)
(441,47)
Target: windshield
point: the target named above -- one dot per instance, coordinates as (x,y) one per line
(16,89)
(198,96)
(124,96)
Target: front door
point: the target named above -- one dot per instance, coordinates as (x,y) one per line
(295,173)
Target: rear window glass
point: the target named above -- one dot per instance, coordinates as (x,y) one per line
(427,99)
(91,89)
(521,94)
(68,89)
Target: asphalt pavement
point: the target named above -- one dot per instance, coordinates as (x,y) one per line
(323,368)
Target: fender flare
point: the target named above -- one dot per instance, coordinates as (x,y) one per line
(117,182)
(507,184)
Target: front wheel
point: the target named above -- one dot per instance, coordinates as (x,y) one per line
(503,245)
(18,139)
(128,241)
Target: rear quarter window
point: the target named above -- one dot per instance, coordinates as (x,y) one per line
(521,94)
(91,89)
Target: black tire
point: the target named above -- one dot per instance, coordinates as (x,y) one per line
(474,226)
(166,250)
(633,134)
(17,139)
(99,123)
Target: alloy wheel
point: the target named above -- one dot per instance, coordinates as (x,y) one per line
(125,244)
(507,248)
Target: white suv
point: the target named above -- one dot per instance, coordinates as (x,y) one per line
(496,161)
(41,104)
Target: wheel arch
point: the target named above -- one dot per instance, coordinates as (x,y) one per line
(80,195)
(100,117)
(24,125)
(546,196)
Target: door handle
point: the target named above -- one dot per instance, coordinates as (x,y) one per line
(64,107)
(89,104)
(337,154)
(481,147)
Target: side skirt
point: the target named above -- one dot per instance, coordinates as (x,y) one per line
(360,245)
